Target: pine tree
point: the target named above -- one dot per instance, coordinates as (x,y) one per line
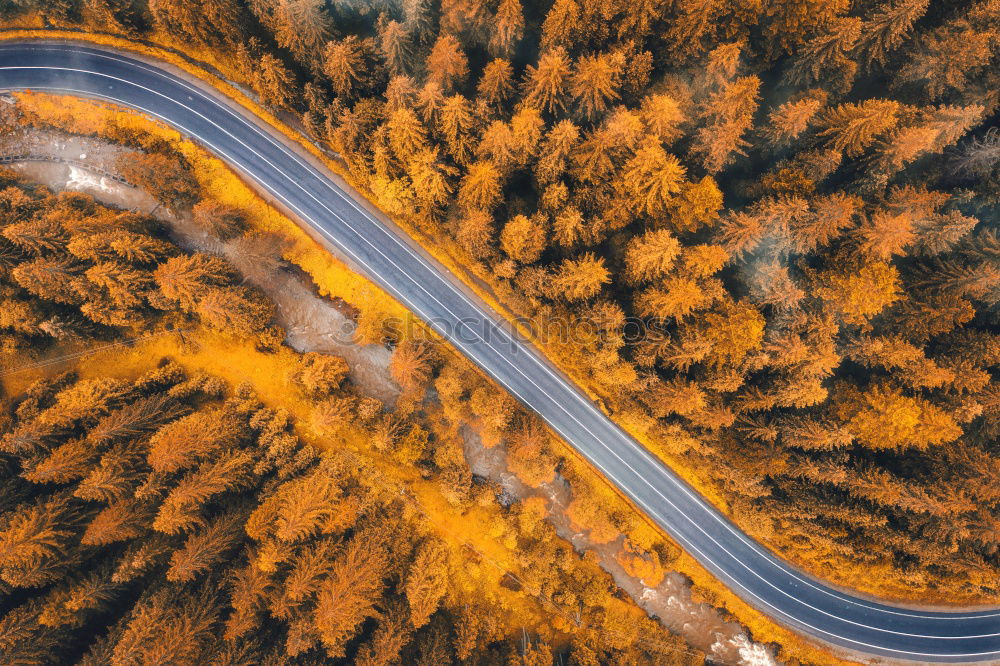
(205,549)
(181,443)
(562,25)
(526,133)
(301,26)
(741,232)
(788,23)
(556,150)
(651,256)
(639,18)
(248,588)
(115,476)
(70,603)
(343,64)
(23,639)
(886,419)
(183,19)
(828,56)
(468,18)
(734,329)
(723,63)
(67,462)
(956,278)
(662,117)
(697,205)
(791,119)
(476,233)
(673,298)
(652,177)
(730,111)
(547,82)
(945,58)
(860,292)
(894,353)
(735,100)
(235,310)
(979,156)
(123,285)
(35,541)
(426,582)
(407,135)
(21,316)
(772,285)
(167,626)
(888,27)
(496,144)
(225,17)
(523,239)
(568,227)
(884,235)
(401,93)
(37,236)
(432,180)
(606,147)
(923,315)
(121,521)
(693,22)
(165,178)
(950,123)
(182,507)
(186,278)
(508,28)
(319,375)
(309,569)
(396,47)
(815,435)
(304,507)
(121,245)
(852,128)
(392,635)
(481,187)
(456,122)
(110,15)
(348,596)
(429,100)
(52,279)
(273,82)
(828,218)
(16,205)
(496,82)
(937,129)
(419,17)
(411,365)
(942,232)
(447,64)
(579,279)
(594,83)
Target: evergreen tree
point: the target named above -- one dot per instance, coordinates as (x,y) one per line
(547,83)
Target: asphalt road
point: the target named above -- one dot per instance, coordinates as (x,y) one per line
(747,568)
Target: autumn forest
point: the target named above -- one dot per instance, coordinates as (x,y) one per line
(770,228)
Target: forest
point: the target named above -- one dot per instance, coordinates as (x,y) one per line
(794,200)
(159,514)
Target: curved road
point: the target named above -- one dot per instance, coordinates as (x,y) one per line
(764,581)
